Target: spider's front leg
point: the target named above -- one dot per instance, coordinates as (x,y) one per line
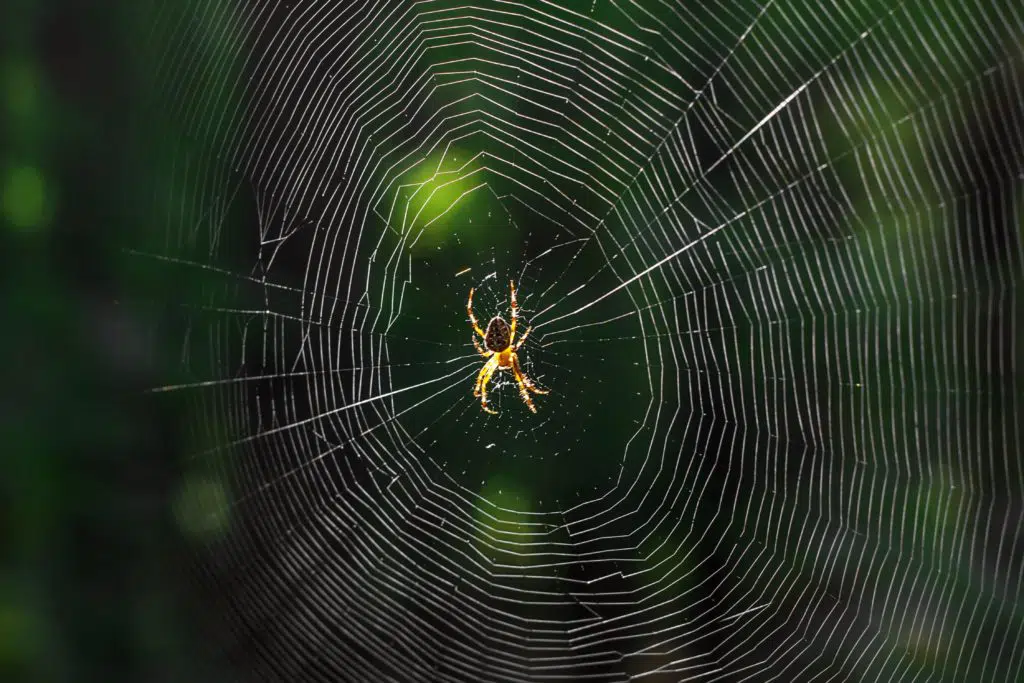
(515,364)
(523,383)
(472,318)
(482,379)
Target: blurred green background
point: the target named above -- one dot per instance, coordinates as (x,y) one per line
(105,505)
(92,559)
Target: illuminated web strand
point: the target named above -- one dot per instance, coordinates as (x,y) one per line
(786,442)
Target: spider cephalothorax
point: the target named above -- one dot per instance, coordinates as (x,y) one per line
(500,346)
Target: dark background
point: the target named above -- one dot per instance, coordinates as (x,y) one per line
(98,571)
(92,569)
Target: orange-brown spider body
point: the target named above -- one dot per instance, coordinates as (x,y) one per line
(498,335)
(499,348)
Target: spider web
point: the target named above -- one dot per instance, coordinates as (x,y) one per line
(770,255)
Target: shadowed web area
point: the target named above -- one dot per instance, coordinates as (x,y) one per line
(771,257)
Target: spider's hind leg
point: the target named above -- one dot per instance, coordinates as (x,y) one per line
(514,305)
(472,318)
(522,340)
(479,349)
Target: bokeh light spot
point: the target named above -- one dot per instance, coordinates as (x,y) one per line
(504,526)
(23,198)
(202,509)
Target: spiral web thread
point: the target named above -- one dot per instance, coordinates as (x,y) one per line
(770,253)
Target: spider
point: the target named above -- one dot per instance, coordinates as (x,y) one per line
(500,346)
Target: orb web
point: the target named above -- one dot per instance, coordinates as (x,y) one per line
(769,253)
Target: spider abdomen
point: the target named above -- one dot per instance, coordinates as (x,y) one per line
(498,335)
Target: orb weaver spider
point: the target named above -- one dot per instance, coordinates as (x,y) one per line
(500,346)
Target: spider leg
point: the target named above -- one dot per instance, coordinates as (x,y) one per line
(523,338)
(480,376)
(523,379)
(482,380)
(515,312)
(534,388)
(472,318)
(483,352)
